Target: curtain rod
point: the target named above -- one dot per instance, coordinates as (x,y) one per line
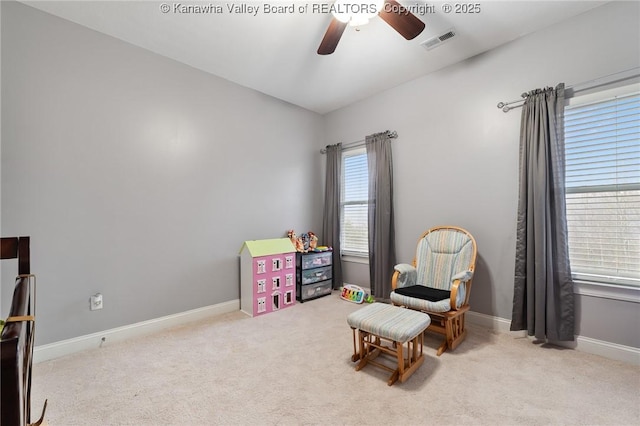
(632,72)
(391,134)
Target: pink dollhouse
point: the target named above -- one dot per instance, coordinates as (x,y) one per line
(267,276)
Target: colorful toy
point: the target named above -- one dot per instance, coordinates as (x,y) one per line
(305,242)
(313,241)
(296,241)
(352,293)
(292,236)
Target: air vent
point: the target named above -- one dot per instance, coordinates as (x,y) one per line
(447,36)
(438,40)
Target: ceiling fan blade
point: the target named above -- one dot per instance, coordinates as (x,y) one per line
(331,37)
(403,21)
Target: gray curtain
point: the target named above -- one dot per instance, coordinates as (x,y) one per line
(382,248)
(543,300)
(331,217)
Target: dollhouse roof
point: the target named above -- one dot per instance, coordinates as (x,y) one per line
(259,248)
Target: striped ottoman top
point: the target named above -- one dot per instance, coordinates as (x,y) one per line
(388,321)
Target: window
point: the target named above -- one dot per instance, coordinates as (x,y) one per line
(354,239)
(277,264)
(262,304)
(603,188)
(275,281)
(262,266)
(288,297)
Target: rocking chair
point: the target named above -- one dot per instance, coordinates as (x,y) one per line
(439,281)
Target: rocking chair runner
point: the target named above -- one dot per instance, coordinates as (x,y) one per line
(439,281)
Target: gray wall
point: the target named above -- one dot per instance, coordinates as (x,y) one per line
(138,176)
(456,158)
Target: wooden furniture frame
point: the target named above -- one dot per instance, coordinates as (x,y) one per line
(450,324)
(17,339)
(372,346)
(368,346)
(17,248)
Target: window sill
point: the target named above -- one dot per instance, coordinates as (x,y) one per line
(607,291)
(355,259)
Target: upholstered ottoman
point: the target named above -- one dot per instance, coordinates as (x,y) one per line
(380,323)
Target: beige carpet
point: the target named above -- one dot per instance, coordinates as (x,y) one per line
(293,367)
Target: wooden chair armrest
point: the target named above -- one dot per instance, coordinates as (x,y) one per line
(454,294)
(394,280)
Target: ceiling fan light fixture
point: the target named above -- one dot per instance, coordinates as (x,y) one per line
(393,13)
(355,14)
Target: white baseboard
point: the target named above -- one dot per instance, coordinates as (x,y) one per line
(94,340)
(487,321)
(603,348)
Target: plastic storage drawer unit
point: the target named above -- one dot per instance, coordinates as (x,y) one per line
(314,275)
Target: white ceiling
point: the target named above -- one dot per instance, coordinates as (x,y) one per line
(275,53)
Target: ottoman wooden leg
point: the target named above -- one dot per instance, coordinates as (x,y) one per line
(418,362)
(356,355)
(399,372)
(364,350)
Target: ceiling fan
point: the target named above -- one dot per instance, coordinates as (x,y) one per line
(392,12)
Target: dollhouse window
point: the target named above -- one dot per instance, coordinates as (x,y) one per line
(262,266)
(262,286)
(262,304)
(288,297)
(276,301)
(288,280)
(276,283)
(288,262)
(277,264)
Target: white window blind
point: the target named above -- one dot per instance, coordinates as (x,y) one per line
(354,238)
(602,143)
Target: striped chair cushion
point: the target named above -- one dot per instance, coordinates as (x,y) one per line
(390,322)
(440,255)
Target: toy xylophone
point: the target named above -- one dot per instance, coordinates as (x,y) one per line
(353,293)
